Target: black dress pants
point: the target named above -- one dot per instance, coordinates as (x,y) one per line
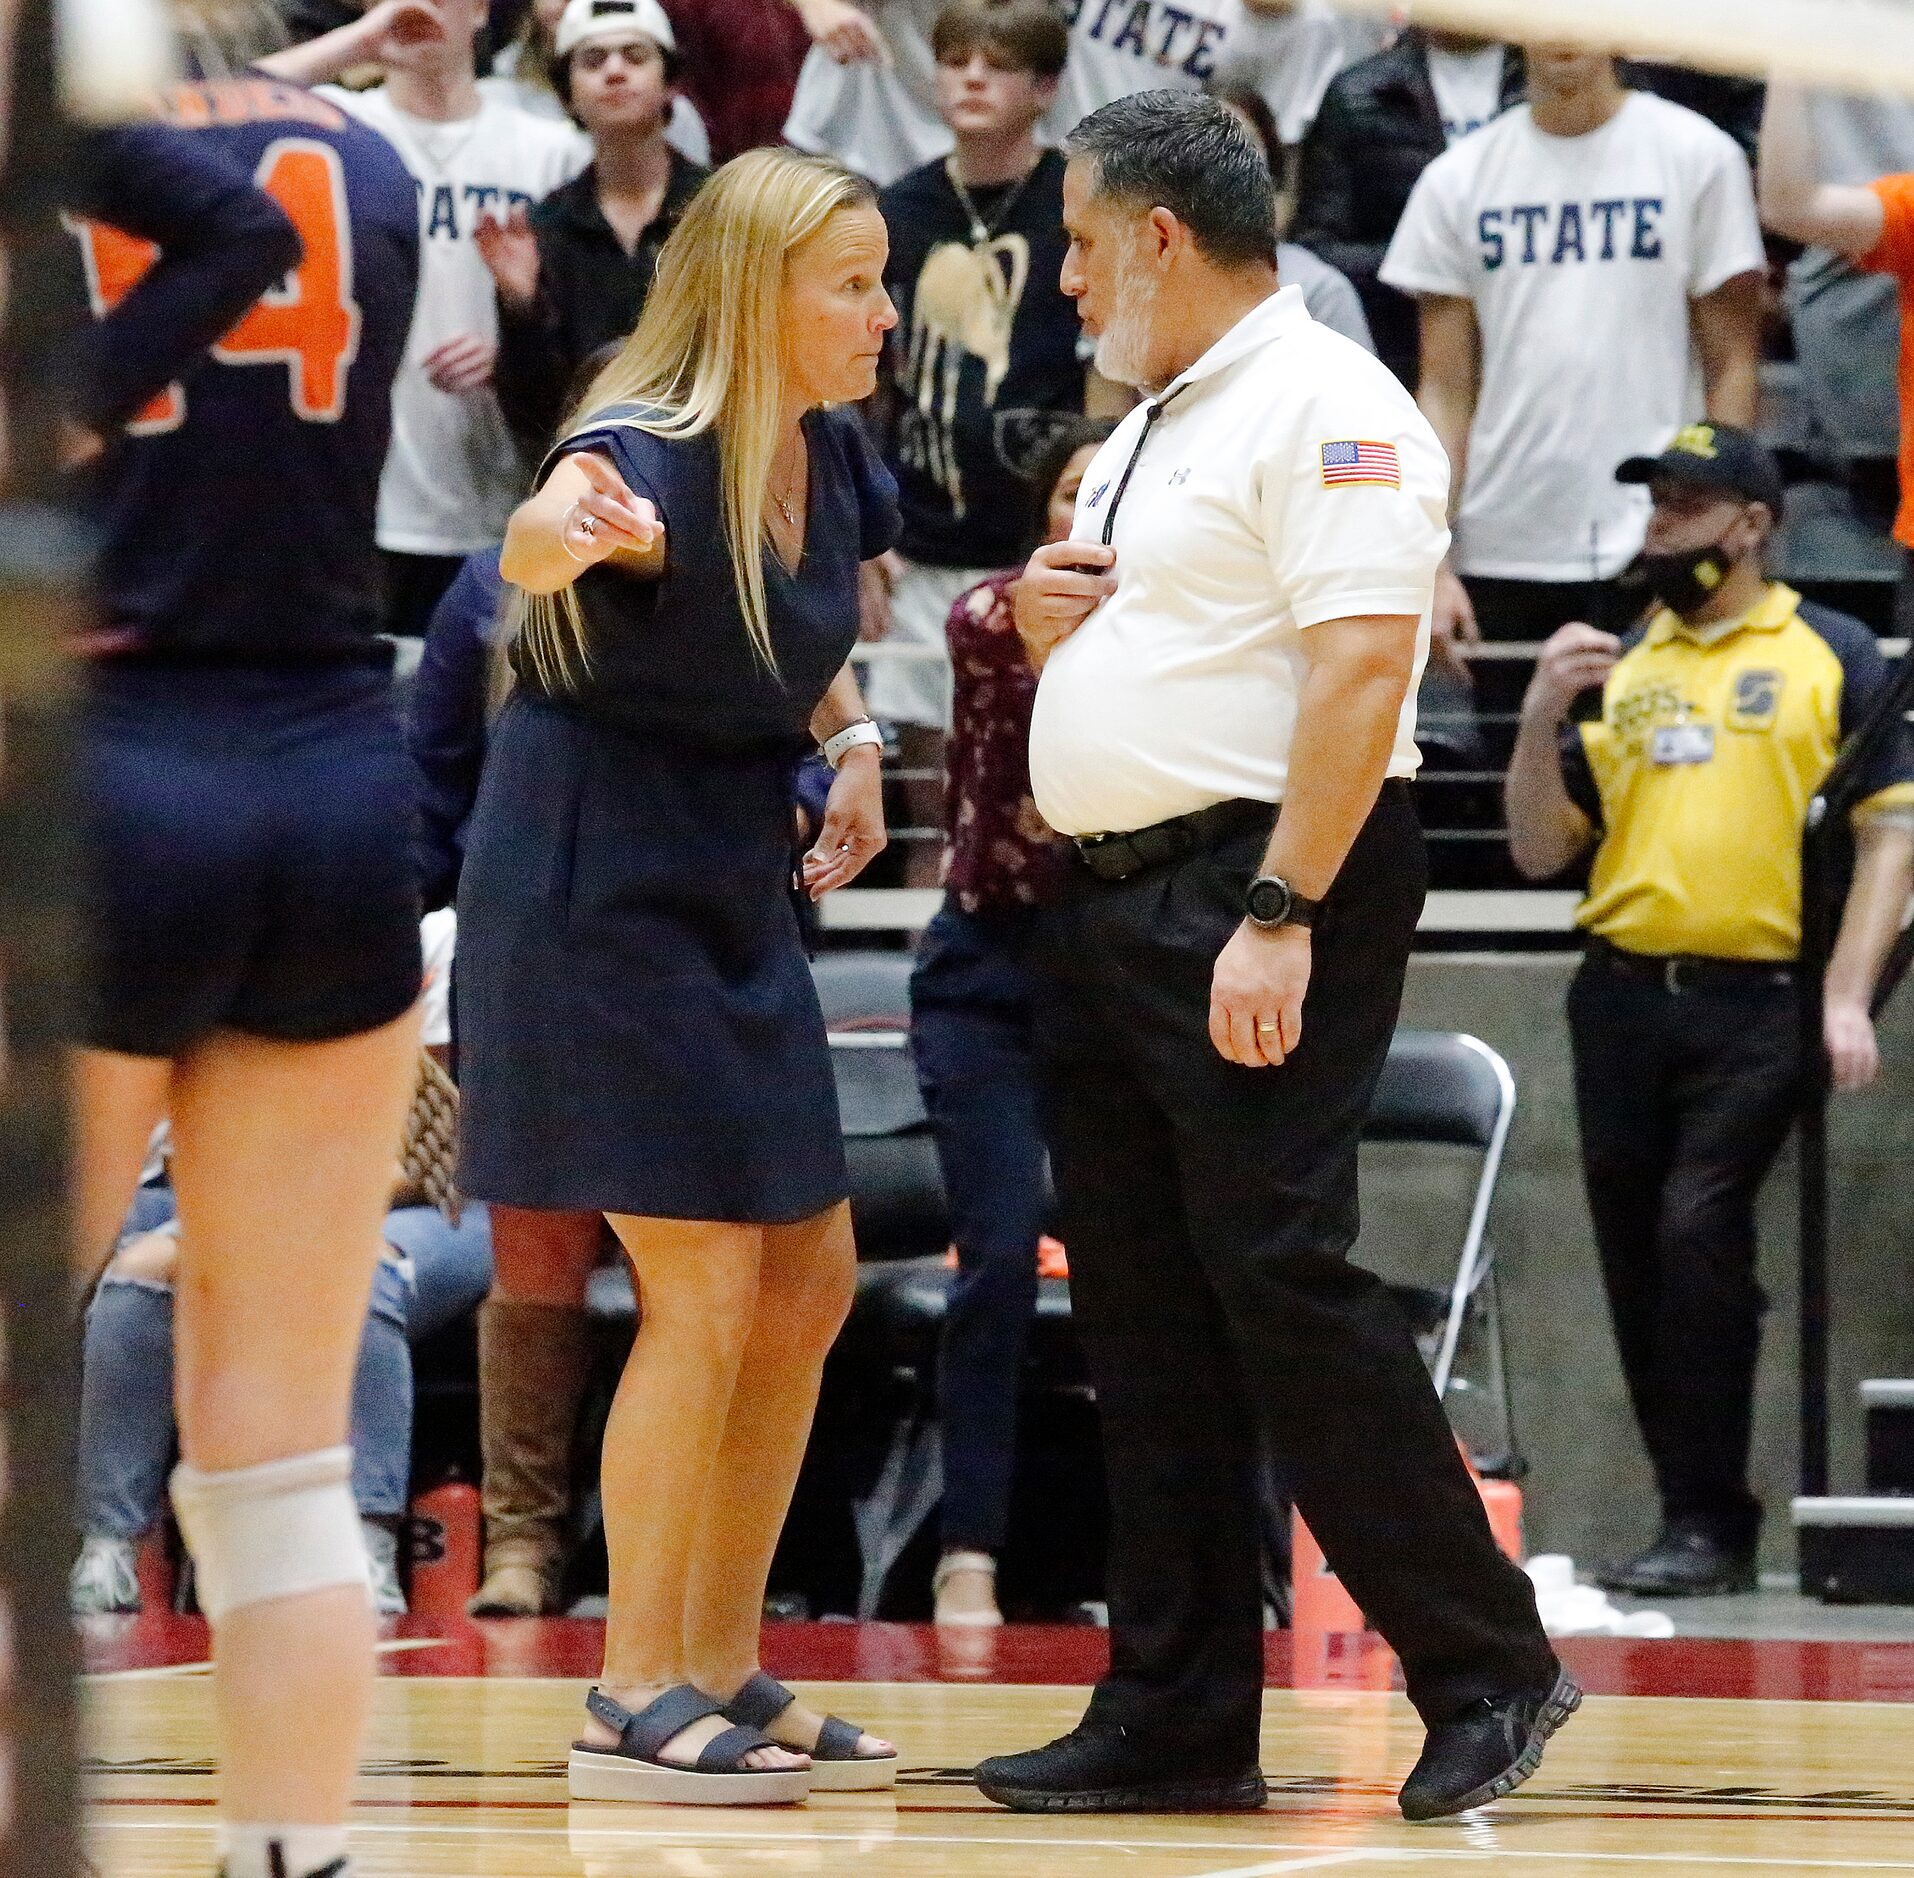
(1685,1098)
(1209,1210)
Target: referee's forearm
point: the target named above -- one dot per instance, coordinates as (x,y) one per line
(1345,731)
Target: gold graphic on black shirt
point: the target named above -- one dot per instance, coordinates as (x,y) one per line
(963,307)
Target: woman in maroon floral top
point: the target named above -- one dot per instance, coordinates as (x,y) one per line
(971,1032)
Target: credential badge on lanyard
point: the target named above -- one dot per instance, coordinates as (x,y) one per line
(1155,409)
(1676,744)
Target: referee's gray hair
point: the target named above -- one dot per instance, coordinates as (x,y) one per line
(1182,151)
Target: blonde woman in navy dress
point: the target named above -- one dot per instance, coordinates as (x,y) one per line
(639,1031)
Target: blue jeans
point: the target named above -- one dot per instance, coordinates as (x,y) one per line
(971,1036)
(432,1272)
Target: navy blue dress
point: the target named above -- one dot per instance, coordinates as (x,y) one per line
(638,1028)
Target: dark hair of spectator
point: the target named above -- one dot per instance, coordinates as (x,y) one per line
(1045,468)
(1018,35)
(1189,154)
(1250,103)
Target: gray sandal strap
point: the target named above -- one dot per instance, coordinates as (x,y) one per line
(837,1740)
(644,1733)
(763,1699)
(724,1754)
(760,1702)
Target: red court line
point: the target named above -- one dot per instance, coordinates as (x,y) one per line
(1060,1655)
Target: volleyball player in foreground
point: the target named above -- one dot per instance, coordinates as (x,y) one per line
(244,796)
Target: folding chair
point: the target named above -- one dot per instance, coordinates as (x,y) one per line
(1443,1088)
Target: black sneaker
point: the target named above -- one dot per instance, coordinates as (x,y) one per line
(1688,1561)
(1100,1768)
(1486,1751)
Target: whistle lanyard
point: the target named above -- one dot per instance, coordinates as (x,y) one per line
(1155,410)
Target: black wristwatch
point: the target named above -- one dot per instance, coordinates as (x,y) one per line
(1271,902)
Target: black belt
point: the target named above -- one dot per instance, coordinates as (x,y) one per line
(1680,972)
(1117,857)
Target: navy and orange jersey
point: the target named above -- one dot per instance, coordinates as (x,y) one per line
(236,505)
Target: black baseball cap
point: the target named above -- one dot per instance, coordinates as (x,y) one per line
(1713,456)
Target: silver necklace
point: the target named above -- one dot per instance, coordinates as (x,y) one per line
(982,233)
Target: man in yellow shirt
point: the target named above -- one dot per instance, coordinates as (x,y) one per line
(1721,716)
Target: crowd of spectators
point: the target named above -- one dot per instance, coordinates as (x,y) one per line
(1558,251)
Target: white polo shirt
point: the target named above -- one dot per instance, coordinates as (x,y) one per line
(1289,479)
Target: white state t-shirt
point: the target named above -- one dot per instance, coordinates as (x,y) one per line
(1294,482)
(1290,57)
(1467,86)
(882,120)
(452,474)
(1581,255)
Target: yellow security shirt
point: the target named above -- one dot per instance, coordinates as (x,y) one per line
(1711,743)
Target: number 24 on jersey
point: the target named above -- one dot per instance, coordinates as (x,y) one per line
(309,324)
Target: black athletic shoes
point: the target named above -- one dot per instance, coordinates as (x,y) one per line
(1486,1751)
(1689,1560)
(1099,1768)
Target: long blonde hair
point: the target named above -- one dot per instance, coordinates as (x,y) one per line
(224,37)
(709,353)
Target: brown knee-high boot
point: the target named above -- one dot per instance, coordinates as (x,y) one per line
(534,1361)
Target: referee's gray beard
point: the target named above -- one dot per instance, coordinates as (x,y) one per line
(1123,347)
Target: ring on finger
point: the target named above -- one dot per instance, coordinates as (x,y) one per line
(575,517)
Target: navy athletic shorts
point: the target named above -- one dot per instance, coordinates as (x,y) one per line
(247,832)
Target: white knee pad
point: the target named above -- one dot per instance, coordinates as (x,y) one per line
(277,1530)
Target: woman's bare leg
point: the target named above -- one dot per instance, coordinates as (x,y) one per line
(118,1101)
(806,1281)
(284,1158)
(697,1294)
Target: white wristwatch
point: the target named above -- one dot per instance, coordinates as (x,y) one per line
(853,736)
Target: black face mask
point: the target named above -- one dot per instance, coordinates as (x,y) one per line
(1682,582)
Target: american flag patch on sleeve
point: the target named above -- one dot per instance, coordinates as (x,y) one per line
(1359,461)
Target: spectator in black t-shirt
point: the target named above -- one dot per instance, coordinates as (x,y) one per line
(1381,124)
(573,274)
(984,336)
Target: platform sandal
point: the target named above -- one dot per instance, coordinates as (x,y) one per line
(632,1771)
(836,1765)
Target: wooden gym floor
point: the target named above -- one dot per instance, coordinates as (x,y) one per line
(1690,1756)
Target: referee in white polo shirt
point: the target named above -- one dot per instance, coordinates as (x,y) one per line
(1238,624)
